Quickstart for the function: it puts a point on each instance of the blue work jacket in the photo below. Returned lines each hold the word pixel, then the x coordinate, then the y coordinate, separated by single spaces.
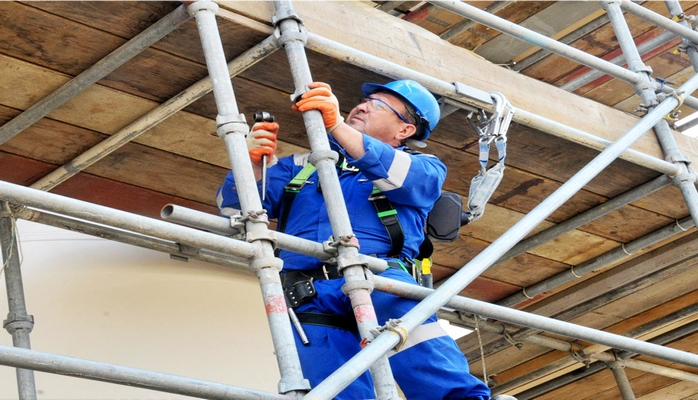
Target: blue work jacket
pixel 412 182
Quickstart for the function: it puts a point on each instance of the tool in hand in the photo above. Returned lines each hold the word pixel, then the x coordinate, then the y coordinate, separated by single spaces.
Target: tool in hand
pixel 263 117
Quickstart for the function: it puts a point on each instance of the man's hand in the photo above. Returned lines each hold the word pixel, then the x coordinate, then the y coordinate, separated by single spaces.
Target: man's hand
pixel 320 98
pixel 261 141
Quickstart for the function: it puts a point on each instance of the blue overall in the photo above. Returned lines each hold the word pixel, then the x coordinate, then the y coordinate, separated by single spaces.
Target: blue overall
pixel 430 366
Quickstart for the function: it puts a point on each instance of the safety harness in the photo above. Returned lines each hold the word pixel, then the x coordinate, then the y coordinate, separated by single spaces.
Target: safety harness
pixel 298 285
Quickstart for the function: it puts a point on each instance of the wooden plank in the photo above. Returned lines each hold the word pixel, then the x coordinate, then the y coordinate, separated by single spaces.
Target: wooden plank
pixel 556 69
pixel 678 391
pixel 548 22
pixel 166 172
pixel 652 294
pixel 523 270
pixel 618 276
pixel 180 133
pixel 157 73
pixel 479 34
pixel 95 189
pixel 498 361
pixel 419 50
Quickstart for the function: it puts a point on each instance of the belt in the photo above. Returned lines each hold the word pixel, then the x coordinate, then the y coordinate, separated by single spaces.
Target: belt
pixel 330 320
pixel 330 271
pixel 325 272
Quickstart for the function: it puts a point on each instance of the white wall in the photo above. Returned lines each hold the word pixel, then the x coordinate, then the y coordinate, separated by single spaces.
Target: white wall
pixel 114 303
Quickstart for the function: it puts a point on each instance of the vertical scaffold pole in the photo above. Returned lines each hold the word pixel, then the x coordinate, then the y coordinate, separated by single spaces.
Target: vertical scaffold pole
pixel 18 323
pixel 231 126
pixel 358 287
pixel 685 180
pixel 618 369
pixel 677 13
pixel 505 242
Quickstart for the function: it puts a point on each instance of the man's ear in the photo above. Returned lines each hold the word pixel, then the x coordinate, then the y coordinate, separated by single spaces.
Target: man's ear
pixel 406 131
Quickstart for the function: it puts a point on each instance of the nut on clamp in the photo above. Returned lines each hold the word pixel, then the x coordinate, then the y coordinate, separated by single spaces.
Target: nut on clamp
pixel 392 325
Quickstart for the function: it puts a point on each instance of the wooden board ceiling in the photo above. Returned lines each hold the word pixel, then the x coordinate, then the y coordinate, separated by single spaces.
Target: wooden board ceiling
pixel 182 161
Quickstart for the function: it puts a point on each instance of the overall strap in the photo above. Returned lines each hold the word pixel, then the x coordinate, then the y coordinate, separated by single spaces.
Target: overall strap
pixel 388 217
pixel 290 192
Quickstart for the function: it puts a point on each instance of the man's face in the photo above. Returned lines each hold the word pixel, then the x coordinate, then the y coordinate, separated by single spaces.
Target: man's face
pixel 376 119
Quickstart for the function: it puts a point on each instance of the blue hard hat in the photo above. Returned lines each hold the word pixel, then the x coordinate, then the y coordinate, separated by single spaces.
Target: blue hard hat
pixel 424 103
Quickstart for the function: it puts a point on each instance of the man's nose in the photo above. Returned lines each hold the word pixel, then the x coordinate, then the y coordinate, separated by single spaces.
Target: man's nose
pixel 362 107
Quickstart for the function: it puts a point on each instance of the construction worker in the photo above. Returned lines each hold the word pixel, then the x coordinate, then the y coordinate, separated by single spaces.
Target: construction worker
pixel 372 147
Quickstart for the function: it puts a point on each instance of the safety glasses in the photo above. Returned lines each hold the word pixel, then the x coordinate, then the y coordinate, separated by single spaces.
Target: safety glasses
pixel 380 105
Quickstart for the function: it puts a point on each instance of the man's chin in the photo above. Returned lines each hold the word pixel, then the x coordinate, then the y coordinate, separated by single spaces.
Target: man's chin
pixel 356 124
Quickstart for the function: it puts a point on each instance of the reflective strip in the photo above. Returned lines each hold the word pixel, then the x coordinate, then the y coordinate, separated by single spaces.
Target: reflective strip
pixel 227 211
pixel 301 159
pixel 396 174
pixel 421 334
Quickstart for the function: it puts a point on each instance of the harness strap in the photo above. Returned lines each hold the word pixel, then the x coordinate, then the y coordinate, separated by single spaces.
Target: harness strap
pixel 332 321
pixel 290 192
pixel 384 208
pixel 388 217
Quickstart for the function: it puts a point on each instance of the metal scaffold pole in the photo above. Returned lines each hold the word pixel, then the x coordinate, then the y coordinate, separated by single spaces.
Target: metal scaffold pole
pixel 566 51
pixel 231 126
pixel 487 257
pixel 464 95
pixel 18 323
pixel 546 324
pixel 685 181
pixel 357 287
pixel 618 369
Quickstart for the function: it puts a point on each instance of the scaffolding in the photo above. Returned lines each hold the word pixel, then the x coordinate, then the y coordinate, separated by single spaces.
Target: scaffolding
pixel 218 244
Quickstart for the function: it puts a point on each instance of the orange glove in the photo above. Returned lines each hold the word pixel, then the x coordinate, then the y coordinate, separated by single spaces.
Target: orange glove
pixel 320 98
pixel 261 141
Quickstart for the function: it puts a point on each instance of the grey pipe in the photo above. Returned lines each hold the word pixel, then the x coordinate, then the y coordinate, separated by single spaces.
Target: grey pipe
pixel 478 98
pixel 86 369
pixel 591 265
pixel 553 384
pixel 176 250
pixel 231 126
pixel 643 48
pixel 356 287
pixel 582 354
pixel 618 369
pixel 93 74
pixel 221 225
pixel 108 216
pixel 658 19
pixel 619 291
pixel 686 180
pixel 153 117
pixel 587 216
pixel 19 324
pixel 539 322
pixel 675 10
pixel 536 38
pixel 500 246
pixel 545 42
pixel 591 351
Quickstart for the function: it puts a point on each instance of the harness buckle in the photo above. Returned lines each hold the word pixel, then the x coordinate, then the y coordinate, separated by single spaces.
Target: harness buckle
pixel 298 292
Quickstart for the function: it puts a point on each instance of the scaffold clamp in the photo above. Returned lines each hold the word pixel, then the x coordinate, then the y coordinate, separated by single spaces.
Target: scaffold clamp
pixel 393 325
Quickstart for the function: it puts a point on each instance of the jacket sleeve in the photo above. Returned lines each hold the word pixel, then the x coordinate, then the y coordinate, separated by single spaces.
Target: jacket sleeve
pixel 409 179
pixel 278 176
